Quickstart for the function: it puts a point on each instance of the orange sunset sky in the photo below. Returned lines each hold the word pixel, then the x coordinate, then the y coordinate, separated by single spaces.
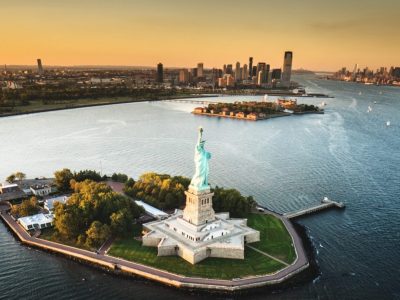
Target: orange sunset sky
pixel 324 35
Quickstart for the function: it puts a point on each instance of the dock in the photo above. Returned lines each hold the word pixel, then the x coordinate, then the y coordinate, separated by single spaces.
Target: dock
pixel 325 204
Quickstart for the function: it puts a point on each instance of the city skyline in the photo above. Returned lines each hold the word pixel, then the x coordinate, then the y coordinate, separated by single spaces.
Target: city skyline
pixel 324 36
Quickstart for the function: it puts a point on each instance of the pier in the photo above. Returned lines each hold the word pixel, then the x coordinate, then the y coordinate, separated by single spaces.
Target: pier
pixel 325 204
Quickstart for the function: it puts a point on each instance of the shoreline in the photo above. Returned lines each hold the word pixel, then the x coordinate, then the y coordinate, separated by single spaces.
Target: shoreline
pixel 4 115
pixel 189 96
pixel 118 266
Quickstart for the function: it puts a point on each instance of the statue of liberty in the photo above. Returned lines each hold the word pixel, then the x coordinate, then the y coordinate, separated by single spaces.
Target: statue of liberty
pixel 201 156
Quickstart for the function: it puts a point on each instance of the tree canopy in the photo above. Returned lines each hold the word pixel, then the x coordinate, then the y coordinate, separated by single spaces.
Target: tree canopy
pixel 93 212
pixel 26 208
pixel 167 192
pixel 159 190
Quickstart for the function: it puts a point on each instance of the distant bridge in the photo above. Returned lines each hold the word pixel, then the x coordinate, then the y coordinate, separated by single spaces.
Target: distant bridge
pixel 325 203
pixel 204 102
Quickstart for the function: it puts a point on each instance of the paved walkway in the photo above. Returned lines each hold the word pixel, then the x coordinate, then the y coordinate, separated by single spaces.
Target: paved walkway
pixel 165 277
pixel 268 255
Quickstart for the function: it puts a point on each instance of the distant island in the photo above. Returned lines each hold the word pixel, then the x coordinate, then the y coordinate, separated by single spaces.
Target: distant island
pixel 255 111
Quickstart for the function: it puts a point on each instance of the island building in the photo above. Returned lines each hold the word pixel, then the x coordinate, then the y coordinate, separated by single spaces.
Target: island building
pixel 41 189
pixel 198 232
pixel 38 221
pixel 49 203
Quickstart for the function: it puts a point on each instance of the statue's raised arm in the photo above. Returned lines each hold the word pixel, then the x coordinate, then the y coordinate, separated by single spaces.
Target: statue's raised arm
pixel 201 156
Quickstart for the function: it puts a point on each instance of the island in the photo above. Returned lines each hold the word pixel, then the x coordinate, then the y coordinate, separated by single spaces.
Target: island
pixel 256 110
pixel 170 229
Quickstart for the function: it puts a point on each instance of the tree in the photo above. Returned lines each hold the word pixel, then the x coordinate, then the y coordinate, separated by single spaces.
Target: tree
pixel 87 174
pixel 121 222
pixel 97 234
pixel 26 208
pixel 11 178
pixel 20 176
pixel 119 177
pixel 62 179
pixel 94 202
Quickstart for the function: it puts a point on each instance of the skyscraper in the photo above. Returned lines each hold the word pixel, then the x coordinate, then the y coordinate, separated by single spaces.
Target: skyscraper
pixel 200 72
pixel 287 68
pixel 160 73
pixel 237 72
pixel 229 69
pixel 245 74
pixel 276 74
pixel 250 67
pixel 40 67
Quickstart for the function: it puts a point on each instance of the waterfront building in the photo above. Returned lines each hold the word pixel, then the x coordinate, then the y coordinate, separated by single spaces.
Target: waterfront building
pixel 184 76
pixel 40 66
pixel 198 232
pixel 38 221
pixel 245 71
pixel 250 68
pixel 276 74
pixel 287 68
pixel 260 77
pixel 238 75
pixel 9 188
pixel 160 73
pixel 200 70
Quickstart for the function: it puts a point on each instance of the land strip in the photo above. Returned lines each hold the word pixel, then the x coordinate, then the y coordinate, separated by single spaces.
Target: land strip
pixel 117 264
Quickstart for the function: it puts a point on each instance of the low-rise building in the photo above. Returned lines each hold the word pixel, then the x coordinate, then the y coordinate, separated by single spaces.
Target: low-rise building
pixel 40 189
pixel 240 115
pixel 38 221
pixel 152 211
pixel 49 203
pixel 9 188
pixel 252 116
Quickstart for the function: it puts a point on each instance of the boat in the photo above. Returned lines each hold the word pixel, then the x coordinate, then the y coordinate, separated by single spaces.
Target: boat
pixel 375 102
pixel 359 93
pixel 387 123
pixel 369 109
pixel 323 103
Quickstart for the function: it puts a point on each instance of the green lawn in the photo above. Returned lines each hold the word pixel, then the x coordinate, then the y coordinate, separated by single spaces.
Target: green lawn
pixel 274 238
pixel 275 241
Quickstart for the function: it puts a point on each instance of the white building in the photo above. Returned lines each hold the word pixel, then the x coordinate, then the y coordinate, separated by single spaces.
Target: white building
pixel 8 188
pixel 49 203
pixel 152 211
pixel 40 189
pixel 38 221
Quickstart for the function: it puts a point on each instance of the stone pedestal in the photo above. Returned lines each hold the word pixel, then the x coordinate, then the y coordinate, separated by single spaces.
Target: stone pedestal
pixel 199 210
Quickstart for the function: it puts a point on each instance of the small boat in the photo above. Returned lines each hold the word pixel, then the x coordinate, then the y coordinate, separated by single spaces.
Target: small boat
pixel 369 109
pixel 323 103
pixel 359 93
pixel 387 123
pixel 375 102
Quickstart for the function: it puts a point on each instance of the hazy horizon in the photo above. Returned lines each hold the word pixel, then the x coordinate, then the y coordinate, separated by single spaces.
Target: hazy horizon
pixel 323 35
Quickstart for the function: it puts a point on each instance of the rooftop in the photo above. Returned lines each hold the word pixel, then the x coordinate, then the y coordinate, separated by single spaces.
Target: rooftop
pixel 152 211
